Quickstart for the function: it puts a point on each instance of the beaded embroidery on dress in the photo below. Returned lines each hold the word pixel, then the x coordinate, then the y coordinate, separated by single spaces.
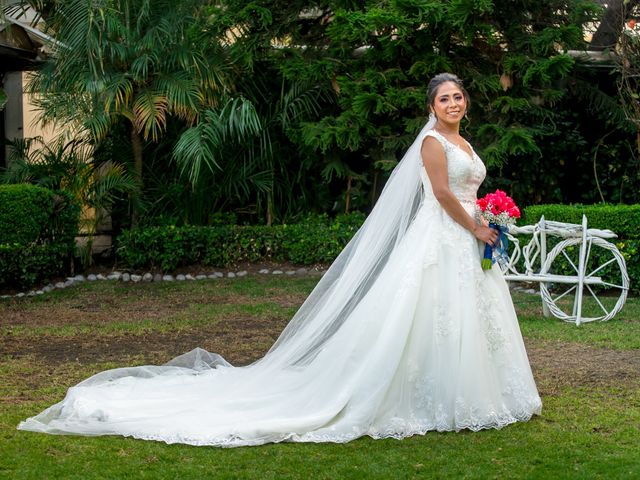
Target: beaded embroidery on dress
pixel 434 344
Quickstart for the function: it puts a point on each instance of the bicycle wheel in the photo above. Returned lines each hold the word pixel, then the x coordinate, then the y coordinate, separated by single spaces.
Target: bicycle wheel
pixel 604 287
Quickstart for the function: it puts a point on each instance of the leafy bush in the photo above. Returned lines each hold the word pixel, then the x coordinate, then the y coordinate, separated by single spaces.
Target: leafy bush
pixel 317 239
pixel 37 233
pixel 624 220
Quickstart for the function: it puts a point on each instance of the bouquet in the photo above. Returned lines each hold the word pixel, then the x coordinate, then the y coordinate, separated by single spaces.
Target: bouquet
pixel 500 211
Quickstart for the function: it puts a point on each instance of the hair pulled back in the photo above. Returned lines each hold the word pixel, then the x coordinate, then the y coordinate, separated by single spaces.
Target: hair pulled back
pixel 435 82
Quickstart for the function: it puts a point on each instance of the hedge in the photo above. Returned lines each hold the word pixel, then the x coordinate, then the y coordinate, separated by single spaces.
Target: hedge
pixel 624 220
pixel 317 239
pixel 37 234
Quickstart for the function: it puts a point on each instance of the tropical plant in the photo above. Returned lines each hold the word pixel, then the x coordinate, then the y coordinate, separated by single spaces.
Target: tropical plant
pixel 268 109
pixel 260 171
pixel 68 165
pixel 142 61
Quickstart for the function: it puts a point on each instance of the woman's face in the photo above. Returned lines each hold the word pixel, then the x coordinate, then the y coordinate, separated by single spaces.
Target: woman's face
pixel 450 104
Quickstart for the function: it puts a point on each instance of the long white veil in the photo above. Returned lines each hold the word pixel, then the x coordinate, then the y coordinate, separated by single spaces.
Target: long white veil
pixel 327 308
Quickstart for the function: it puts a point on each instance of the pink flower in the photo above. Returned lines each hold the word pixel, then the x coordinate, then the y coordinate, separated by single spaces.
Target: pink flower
pixel 496 203
pixel 514 212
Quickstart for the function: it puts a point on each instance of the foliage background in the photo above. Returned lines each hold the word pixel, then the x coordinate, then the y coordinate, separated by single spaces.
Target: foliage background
pixel 269 110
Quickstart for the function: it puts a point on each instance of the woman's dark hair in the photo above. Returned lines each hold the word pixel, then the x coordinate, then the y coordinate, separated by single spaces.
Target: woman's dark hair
pixel 435 82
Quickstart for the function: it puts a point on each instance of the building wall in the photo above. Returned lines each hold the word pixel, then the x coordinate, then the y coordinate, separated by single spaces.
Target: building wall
pixel 32 127
pixel 21 118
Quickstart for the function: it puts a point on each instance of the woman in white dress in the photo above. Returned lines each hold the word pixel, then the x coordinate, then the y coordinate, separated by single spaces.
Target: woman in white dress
pixel 405 333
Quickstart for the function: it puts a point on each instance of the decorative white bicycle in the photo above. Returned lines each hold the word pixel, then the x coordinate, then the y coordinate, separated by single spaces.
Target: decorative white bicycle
pixel 582 279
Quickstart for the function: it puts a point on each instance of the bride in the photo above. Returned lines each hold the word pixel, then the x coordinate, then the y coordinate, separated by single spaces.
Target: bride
pixel 405 333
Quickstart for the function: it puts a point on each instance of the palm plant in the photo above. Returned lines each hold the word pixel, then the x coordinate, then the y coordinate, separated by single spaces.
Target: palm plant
pixel 149 62
pixel 252 166
pixel 139 60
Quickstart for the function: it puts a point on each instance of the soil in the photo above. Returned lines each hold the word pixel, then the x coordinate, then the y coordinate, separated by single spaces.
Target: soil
pixel 240 341
pixel 243 339
pixel 556 365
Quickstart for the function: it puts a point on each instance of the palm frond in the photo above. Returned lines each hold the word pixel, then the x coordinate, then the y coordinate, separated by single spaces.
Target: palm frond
pixel 150 114
pixel 193 152
pixel 203 145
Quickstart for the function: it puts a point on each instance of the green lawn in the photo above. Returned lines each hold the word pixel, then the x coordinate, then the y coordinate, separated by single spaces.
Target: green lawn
pixel 588 376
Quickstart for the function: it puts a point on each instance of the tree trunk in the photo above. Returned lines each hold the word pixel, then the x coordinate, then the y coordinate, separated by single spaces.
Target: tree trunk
pixel 374 188
pixel 347 199
pixel 612 24
pixel 136 147
pixel 270 208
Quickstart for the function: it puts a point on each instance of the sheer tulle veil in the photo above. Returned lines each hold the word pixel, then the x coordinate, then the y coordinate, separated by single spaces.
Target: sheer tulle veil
pixel 350 276
pixel 321 316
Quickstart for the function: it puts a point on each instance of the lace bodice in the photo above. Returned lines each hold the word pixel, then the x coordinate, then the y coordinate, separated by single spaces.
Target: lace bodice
pixel 465 173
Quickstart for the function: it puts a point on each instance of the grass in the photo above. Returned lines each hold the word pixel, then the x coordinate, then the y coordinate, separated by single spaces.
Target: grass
pixel 589 378
pixel 621 333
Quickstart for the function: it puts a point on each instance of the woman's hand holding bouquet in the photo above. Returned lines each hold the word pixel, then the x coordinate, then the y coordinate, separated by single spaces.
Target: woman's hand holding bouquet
pixel 500 211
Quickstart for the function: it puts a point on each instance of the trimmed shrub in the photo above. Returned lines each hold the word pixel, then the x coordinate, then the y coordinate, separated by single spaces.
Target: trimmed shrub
pixel 37 234
pixel 317 239
pixel 623 220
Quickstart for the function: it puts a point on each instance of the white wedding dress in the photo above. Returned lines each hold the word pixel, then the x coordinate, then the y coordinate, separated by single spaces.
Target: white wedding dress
pixel 432 343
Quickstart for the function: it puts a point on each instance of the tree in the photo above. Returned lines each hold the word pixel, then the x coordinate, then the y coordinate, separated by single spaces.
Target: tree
pixel 380 56
pixel 629 67
pixel 141 61
pixel 312 104
pixel 373 59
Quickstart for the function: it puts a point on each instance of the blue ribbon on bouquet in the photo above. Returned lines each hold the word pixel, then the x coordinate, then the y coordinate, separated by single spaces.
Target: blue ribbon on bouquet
pixel 497 252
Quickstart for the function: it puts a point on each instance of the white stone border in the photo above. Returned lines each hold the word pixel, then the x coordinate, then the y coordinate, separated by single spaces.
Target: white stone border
pixel 157 277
